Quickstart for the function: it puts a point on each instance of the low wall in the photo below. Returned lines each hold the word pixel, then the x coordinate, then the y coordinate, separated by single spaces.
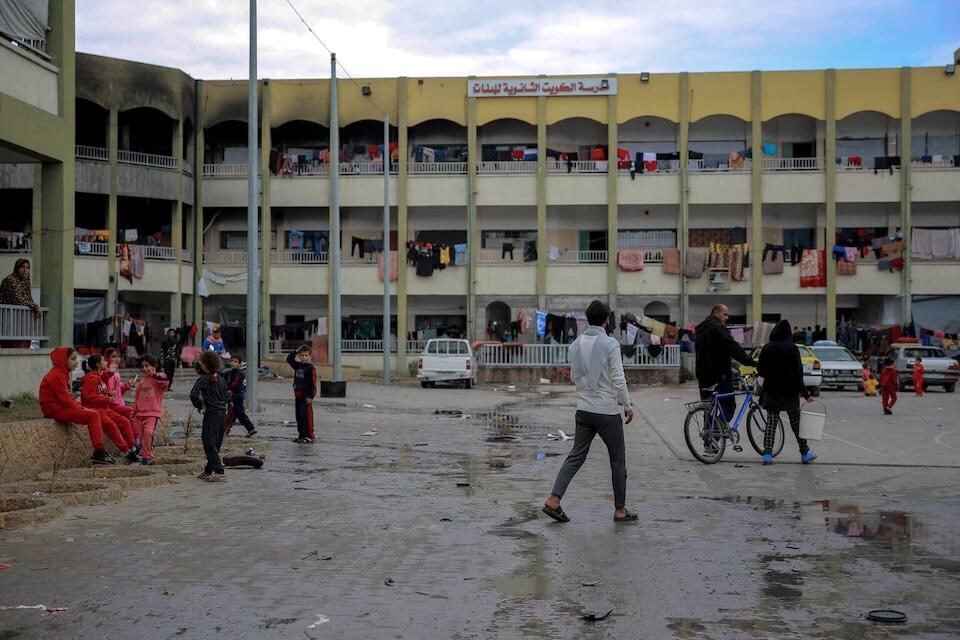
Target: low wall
pixel 532 375
pixel 32 447
pixel 22 369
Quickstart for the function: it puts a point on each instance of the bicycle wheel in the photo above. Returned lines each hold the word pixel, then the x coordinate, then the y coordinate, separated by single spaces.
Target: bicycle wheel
pixel 757 427
pixel 704 435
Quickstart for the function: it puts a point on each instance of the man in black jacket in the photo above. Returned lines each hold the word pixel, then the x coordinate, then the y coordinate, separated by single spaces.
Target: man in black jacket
pixel 715 346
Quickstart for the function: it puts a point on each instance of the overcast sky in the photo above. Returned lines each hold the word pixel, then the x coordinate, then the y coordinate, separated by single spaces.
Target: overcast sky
pixel 208 38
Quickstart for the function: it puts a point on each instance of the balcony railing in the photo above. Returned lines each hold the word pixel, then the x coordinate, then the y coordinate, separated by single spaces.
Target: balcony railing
pixel 703 166
pixel 641 359
pixel 437 168
pixel 187 167
pixel 225 257
pixel 576 166
pixel 792 164
pixel 945 162
pixel 224 170
pixel 99 249
pixel 495 256
pixel 663 166
pixel 26 249
pixel 146 159
pixel 297 256
pixel 582 257
pixel 507 166
pixel 86 152
pixel 90 248
pixel 414 347
pixel 651 255
pixel 21 323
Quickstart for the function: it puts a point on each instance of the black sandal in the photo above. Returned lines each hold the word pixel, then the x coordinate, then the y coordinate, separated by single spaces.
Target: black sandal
pixel 557 514
pixel 630 517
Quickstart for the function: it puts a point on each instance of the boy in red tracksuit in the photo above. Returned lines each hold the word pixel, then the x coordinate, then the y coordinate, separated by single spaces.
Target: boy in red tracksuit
pixel 304 391
pixel 57 403
pixel 889 383
pixel 148 404
pixel 94 395
pixel 918 371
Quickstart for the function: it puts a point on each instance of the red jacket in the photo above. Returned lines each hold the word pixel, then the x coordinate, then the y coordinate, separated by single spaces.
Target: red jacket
pixel 54 391
pixel 918 371
pixel 93 391
pixel 889 379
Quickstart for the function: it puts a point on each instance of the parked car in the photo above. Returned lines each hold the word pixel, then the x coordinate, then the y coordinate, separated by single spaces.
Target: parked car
pixel 812 374
pixel 839 367
pixel 446 360
pixel 940 369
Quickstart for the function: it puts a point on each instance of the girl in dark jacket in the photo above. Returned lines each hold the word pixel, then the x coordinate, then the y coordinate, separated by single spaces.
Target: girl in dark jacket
pixel 782 371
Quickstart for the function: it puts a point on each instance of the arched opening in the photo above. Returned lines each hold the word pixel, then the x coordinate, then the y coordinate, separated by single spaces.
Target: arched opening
pixel 658 311
pixel 790 137
pixel 498 320
pixel 300 135
pixel 650 142
pixel 868 139
pixel 438 140
pixel 145 130
pixel 936 138
pixel 92 123
pixel 577 144
pixel 719 143
pixel 506 140
pixel 225 143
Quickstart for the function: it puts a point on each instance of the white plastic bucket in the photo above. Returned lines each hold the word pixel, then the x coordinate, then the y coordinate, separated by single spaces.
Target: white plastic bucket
pixel 812 421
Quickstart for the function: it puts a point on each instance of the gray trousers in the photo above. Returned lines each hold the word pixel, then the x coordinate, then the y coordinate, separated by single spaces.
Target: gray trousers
pixel 610 430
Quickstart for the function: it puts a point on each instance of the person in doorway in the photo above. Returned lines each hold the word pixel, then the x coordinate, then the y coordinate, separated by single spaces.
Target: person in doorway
pixel 782 371
pixel 597 370
pixel 714 348
pixel 237 384
pixel 94 395
pixel 57 403
pixel 889 383
pixel 918 371
pixel 148 405
pixel 170 355
pixel 16 290
pixel 210 396
pixel 304 391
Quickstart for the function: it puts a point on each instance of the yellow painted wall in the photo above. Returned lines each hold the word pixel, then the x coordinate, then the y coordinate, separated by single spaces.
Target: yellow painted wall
pixel 354 106
pixel 802 92
pixel 436 98
pixel 490 109
pixel 659 97
pixel 720 93
pixel 932 89
pixel 224 100
pixel 592 107
pixel 299 100
pixel 868 90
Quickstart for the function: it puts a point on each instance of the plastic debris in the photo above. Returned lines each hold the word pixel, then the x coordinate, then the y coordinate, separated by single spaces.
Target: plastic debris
pixel 544 381
pixel 39 607
pixel 4 566
pixel 373 432
pixel 887 615
pixel 589 583
pixel 389 582
pixel 463 484
pixel 559 435
pixel 593 616
pixel 69 539
pixel 321 619
pixel 369 406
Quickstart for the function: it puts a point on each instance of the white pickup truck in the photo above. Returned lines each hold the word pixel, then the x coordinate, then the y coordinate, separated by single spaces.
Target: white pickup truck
pixel 446 360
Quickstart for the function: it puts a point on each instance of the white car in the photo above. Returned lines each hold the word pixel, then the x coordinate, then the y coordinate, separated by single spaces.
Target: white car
pixel 446 360
pixel 839 367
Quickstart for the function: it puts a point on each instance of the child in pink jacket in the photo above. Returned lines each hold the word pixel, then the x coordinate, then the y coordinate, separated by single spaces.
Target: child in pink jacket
pixel 148 404
pixel 116 387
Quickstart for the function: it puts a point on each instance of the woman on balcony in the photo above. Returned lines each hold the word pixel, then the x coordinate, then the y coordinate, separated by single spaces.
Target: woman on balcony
pixel 15 290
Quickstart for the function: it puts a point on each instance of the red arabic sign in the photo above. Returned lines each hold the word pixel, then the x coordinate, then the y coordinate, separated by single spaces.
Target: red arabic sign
pixel 502 88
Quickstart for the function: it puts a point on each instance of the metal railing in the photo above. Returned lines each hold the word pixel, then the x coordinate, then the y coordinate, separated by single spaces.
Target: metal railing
pixel 26 249
pixel 21 323
pixel 146 159
pixel 86 152
pixel 545 355
pixel 652 255
pixel 495 256
pixel 414 347
pixel 437 168
pixel 158 253
pixel 507 166
pixel 225 257
pixel 365 168
pixel 582 257
pixel 90 248
pixel 663 166
pixel 224 170
pixel 792 164
pixel 703 166
pixel 641 359
pixel 945 162
pixel 297 256
pixel 576 166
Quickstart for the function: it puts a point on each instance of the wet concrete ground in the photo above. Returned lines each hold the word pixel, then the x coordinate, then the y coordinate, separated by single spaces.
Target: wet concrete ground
pixel 413 534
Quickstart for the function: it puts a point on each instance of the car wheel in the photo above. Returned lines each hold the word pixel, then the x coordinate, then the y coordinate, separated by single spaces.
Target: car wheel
pixel 467 383
pixel 949 388
pixel 424 385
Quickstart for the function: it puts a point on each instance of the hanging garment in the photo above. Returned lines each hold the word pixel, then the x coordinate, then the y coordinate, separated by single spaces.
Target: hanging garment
pixel 529 251
pixel 772 262
pixel 848 267
pixel 296 239
pixel 541 323
pixel 671 261
pixel 424 266
pixel 813 268
pixel 554 253
pixel 444 256
pixel 736 263
pixel 696 261
pixel 459 255
pixel 942 244
pixel 632 331
pixel 769 149
pixel 393 266
pixel 630 259
pixel 921 243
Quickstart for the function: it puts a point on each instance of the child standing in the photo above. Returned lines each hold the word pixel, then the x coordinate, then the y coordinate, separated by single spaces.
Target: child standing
pixel 918 371
pixel 870 386
pixel 115 384
pixel 889 383
pixel 237 384
pixel 94 396
pixel 148 404
pixel 304 391
pixel 58 403
pixel 210 396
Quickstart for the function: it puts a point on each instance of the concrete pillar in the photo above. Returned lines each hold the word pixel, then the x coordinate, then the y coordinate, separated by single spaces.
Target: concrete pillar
pixel 36 224
pixel 56 238
pixel 684 221
pixel 830 206
pixel 112 154
pixel 756 199
pixel 402 231
pixel 473 234
pixel 176 228
pixel 906 192
pixel 612 199
pixel 266 217
pixel 543 247
pixel 196 307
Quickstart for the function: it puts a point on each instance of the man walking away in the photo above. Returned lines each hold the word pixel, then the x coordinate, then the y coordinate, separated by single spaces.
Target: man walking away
pixel 596 368
pixel 715 346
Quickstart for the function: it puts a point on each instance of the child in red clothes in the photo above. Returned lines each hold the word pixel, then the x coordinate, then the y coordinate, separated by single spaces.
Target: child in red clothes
pixel 94 395
pixel 148 404
pixel 889 383
pixel 58 403
pixel 918 371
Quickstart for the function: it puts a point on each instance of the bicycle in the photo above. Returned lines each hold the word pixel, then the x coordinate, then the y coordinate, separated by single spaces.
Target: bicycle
pixel 707 431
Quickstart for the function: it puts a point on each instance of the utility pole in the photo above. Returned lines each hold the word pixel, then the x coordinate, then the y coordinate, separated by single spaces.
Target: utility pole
pixel 253 226
pixel 386 249
pixel 334 324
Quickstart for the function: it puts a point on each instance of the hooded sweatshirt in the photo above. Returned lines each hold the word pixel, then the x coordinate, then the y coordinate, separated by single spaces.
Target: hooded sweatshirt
pixel 148 401
pixel 782 371
pixel 115 384
pixel 93 391
pixel 54 393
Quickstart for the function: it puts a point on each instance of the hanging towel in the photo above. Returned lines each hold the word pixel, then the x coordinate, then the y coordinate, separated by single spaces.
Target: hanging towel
pixel 671 261
pixel 769 149
pixel 630 259
pixel 942 244
pixel 554 253
pixel 459 255
pixel 541 323
pixel 848 267
pixel 393 266
pixel 813 268
pixel 696 261
pixel 773 262
pixel 921 244
pixel 736 263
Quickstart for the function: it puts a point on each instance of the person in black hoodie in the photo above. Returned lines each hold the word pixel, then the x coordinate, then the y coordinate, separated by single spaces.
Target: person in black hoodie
pixel 210 396
pixel 782 371
pixel 714 347
pixel 170 355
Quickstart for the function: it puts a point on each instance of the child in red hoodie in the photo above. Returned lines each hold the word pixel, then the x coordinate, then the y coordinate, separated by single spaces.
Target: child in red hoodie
pixel 57 403
pixel 148 404
pixel 918 371
pixel 94 396
pixel 889 383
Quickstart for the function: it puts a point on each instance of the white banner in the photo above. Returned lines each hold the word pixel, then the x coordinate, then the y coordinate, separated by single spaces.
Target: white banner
pixel 504 88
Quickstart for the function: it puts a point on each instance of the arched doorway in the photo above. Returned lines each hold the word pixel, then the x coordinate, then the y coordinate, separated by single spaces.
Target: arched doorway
pixel 658 311
pixel 498 320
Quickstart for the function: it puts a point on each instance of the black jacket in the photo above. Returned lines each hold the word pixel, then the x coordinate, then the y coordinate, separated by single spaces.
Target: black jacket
pixel 782 371
pixel 714 347
pixel 170 351
pixel 210 393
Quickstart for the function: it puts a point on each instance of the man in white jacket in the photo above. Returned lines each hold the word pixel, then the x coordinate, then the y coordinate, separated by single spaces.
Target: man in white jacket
pixel 596 367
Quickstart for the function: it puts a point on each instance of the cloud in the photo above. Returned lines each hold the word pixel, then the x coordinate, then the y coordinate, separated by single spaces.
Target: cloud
pixel 208 38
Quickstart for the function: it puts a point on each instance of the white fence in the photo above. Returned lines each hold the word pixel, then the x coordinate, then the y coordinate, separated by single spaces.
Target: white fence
pixel 26 249
pixel 297 256
pixel 99 249
pixel 582 257
pixel 945 162
pixel 224 170
pixel 508 166
pixel 702 166
pixel 546 355
pixel 21 323
pixel 225 257
pixel 146 159
pixel 792 164
pixel 437 168
pixel 86 152
pixel 414 347
pixel 576 166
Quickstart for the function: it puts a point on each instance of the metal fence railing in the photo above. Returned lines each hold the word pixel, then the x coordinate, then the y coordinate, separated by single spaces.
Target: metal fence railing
pixel 21 323
pixel 437 168
pixel 545 355
pixel 86 152
pixel 224 170
pixel 146 159
pixel 792 164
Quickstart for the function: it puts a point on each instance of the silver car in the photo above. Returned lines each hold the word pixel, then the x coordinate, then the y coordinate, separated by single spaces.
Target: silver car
pixel 840 368
pixel 940 369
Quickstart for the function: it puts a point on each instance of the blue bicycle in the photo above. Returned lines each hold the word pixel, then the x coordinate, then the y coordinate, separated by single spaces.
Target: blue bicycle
pixel 707 431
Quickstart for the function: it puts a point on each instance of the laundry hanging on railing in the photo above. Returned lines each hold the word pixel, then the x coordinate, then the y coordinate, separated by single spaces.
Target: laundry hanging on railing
pixel 813 268
pixel 630 259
